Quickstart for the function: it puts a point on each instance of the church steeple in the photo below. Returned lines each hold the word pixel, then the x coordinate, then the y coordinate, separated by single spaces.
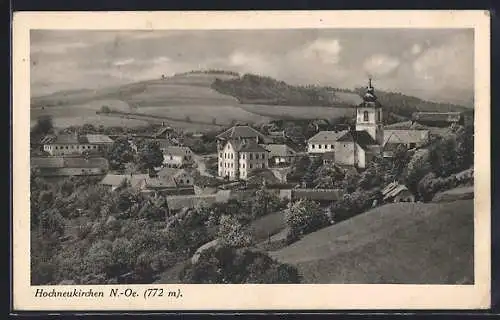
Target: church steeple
pixel 369 114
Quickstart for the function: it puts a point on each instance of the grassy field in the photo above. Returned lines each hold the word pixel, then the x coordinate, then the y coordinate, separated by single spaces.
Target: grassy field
pixel 403 243
pixel 223 114
pixel 298 112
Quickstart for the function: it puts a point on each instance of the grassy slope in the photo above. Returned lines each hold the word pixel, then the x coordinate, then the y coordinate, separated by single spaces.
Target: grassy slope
pixel 397 243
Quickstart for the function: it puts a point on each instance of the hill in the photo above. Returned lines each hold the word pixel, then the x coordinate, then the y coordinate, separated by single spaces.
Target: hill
pixel 254 89
pixel 207 99
pixel 402 243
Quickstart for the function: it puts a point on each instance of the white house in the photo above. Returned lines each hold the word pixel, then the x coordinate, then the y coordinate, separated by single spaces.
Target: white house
pixel 176 156
pixel 323 141
pixel 280 154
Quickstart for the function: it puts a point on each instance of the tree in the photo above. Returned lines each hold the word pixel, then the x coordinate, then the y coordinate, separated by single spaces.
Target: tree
pixel 305 216
pixel 43 126
pixel 264 202
pixel 443 157
pixel 418 166
pixel 119 154
pixel 465 147
pixel 150 155
pixel 232 233
pixel 229 265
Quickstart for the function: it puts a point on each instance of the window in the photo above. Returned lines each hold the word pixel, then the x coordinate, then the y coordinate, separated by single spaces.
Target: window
pixel 220 155
pixel 231 165
pixel 250 166
pixel 231 156
pixel 243 156
pixel 365 116
pixel 319 146
pixel 312 146
pixel 67 147
pixel 243 166
pixel 331 146
pixel 326 146
pixel 251 156
pixel 379 115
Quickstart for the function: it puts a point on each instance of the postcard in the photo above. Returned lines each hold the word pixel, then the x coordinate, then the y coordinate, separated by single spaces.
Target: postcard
pixel 285 160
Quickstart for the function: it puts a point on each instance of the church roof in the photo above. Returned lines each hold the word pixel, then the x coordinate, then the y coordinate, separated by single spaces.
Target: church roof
pixel 362 138
pixel 370 99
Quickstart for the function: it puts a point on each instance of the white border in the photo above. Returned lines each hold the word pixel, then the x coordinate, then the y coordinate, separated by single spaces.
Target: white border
pixel 248 297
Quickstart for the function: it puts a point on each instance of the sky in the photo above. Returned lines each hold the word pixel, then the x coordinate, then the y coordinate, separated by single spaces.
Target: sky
pixel 433 64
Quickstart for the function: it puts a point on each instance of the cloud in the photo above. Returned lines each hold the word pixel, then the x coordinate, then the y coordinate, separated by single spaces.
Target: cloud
pixel 450 63
pixel 124 62
pixel 324 50
pixel 380 64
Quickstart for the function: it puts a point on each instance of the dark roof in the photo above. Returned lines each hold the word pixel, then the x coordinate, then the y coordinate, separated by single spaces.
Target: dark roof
pixel 177 150
pixel 249 146
pixel 69 162
pixel 242 132
pixel 362 138
pixel 279 150
pixel 437 116
pixel 77 139
pixel 328 156
pixel 326 136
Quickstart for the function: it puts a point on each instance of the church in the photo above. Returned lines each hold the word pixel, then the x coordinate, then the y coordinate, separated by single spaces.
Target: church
pixel 357 146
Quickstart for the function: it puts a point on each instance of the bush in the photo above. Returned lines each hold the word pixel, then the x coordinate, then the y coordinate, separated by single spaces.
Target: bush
pixel 305 216
pixel 229 265
pixel 353 204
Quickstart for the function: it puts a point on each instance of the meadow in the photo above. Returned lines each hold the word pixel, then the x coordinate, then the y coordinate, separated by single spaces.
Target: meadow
pixel 402 243
pixel 298 112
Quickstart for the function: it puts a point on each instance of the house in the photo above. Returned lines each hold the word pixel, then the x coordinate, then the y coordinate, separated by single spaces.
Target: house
pixel 355 148
pixel 176 156
pixel 323 141
pixel 163 132
pixel 66 144
pixel 409 138
pixel 280 154
pixel 395 192
pixel 169 181
pixel 438 119
pixel 239 158
pixel 69 166
pixel 115 181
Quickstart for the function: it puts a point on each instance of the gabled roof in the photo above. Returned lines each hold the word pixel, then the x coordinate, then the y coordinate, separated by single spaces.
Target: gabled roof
pixel 242 132
pixel 437 116
pixel 116 179
pixel 98 138
pixel 362 138
pixel 405 136
pixel 249 146
pixel 162 131
pixel 279 150
pixel 160 183
pixel 177 150
pixel 327 136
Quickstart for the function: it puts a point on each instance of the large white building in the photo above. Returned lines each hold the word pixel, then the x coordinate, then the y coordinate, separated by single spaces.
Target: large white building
pixel 240 152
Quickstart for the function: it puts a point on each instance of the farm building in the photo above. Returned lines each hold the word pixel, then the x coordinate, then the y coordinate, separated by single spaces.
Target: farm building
pixel 323 196
pixel 409 138
pixel 169 181
pixel 115 181
pixel 69 166
pixel 438 119
pixel 66 144
pixel 280 154
pixel 323 141
pixel 176 156
pixel 395 192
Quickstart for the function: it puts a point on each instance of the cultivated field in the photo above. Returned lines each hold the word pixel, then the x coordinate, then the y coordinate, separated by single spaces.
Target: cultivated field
pixel 223 115
pixel 403 243
pixel 298 112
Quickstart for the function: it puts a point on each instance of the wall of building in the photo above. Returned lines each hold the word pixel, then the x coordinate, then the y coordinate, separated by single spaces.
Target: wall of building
pixel 327 146
pixel 361 157
pixel 64 149
pixel 345 153
pixel 228 161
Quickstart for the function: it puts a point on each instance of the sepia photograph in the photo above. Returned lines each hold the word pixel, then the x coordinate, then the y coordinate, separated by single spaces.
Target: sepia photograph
pixel 318 155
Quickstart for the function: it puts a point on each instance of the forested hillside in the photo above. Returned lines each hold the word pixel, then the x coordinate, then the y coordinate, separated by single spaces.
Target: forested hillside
pixel 256 89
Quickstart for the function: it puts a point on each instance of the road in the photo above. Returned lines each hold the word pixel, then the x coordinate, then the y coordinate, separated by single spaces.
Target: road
pixel 200 164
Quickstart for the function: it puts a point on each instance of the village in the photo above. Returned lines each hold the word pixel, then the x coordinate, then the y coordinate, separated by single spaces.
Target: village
pixel 343 169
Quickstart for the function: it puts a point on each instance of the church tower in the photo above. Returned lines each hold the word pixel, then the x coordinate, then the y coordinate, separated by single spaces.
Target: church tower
pixel 369 115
